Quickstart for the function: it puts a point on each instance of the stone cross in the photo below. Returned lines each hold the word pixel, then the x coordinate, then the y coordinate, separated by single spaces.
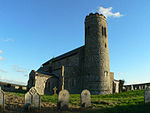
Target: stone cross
pixel 55 89
pixel 32 97
pixel 147 95
pixel 63 78
pixel 85 98
pixel 1 98
pixel 63 99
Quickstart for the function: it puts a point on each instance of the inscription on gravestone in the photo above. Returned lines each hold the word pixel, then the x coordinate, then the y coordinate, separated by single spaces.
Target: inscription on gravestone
pixel 1 98
pixel 85 98
pixel 63 99
pixel 32 97
pixel 147 95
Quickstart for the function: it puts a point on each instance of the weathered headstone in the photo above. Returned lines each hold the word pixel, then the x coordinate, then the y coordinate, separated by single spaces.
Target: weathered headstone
pixel 85 98
pixel 55 89
pixel 36 100
pixel 28 98
pixel 33 98
pixel 147 95
pixel 63 99
pixel 1 98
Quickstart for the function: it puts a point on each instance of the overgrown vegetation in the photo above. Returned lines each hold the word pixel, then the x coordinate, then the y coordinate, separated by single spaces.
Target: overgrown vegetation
pixel 125 102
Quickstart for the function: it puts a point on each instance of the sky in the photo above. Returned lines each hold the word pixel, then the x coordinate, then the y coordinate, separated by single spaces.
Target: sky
pixel 34 31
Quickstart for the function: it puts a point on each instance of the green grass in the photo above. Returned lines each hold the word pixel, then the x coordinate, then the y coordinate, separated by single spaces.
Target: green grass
pixel 124 98
pixel 16 94
pixel 125 102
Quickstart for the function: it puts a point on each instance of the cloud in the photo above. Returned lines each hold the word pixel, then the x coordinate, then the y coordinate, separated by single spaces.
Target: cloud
pixel 12 81
pixel 3 71
pixel 1 58
pixel 107 12
pixel 7 40
pixel 19 69
pixel 1 51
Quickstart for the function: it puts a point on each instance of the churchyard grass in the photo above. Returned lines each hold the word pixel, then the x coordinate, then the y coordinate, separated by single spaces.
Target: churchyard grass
pixel 124 98
pixel 124 102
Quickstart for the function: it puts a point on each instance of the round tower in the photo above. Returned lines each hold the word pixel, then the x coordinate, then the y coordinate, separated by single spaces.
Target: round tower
pixel 96 65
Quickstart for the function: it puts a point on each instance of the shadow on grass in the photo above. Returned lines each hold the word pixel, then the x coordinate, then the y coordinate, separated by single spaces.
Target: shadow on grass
pixel 140 108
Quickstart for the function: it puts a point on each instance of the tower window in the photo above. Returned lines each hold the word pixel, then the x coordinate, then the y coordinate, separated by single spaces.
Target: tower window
pixel 106 73
pixel 105 45
pixel 103 31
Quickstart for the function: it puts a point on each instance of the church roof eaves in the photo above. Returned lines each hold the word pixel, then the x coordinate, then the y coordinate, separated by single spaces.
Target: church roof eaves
pixel 70 53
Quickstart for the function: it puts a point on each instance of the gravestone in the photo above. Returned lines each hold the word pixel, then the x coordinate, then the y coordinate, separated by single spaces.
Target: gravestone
pixel 63 99
pixel 28 98
pixel 36 100
pixel 147 95
pixel 33 98
pixel 85 98
pixel 1 98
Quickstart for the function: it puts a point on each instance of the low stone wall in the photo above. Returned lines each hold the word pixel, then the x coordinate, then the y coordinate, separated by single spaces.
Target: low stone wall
pixel 136 86
pixel 12 87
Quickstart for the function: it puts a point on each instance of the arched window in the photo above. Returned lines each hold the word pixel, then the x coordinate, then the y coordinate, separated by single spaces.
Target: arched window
pixel 105 45
pixel 103 31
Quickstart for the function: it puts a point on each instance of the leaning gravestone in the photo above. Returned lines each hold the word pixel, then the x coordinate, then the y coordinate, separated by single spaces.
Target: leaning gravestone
pixel 147 95
pixel 1 98
pixel 85 98
pixel 63 99
pixel 32 98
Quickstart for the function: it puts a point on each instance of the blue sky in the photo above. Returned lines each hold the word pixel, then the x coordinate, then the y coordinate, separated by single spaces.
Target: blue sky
pixel 33 31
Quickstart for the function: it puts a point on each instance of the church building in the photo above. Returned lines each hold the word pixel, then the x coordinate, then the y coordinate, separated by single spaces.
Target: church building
pixel 86 67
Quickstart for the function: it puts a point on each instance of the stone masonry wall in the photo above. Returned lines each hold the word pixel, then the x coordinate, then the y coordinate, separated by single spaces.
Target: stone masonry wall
pixel 97 72
pixel 40 83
